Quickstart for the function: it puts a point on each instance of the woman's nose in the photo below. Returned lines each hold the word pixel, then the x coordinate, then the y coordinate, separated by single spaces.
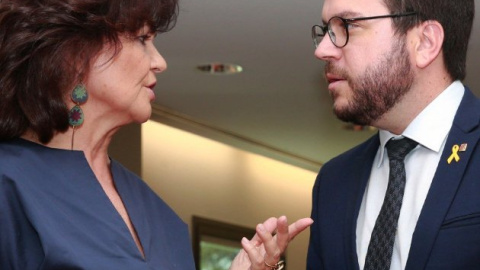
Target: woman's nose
pixel 158 63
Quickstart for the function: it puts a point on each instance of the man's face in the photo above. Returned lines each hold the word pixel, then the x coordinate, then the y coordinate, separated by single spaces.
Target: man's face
pixel 372 72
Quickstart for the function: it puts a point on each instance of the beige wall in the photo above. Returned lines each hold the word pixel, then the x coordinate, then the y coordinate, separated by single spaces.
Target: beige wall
pixel 198 176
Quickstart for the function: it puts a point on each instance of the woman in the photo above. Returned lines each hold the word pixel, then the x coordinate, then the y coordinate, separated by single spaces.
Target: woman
pixel 72 73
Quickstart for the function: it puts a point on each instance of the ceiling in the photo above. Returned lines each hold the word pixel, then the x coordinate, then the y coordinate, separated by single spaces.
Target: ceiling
pixel 279 105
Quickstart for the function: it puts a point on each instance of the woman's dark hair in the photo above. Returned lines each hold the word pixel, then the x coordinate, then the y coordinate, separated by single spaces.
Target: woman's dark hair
pixel 46 47
pixel 456 18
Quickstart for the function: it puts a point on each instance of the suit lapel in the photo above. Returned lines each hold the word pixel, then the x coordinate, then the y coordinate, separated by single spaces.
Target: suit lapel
pixel 445 182
pixel 360 175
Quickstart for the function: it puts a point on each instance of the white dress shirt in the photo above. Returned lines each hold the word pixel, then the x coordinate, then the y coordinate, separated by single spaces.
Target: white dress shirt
pixel 430 129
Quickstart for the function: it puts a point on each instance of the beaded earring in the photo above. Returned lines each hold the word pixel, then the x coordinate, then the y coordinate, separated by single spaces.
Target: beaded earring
pixel 76 117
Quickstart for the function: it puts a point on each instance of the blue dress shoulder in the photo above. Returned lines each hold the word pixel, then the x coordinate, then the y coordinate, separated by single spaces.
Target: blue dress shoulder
pixel 55 215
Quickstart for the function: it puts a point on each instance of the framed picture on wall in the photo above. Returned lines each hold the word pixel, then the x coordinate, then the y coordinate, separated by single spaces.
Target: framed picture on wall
pixel 216 243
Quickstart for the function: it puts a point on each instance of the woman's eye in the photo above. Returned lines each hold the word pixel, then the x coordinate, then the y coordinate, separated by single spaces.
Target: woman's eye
pixel 144 38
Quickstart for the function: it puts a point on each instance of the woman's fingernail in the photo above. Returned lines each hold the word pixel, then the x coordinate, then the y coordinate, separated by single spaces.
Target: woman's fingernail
pixel 244 240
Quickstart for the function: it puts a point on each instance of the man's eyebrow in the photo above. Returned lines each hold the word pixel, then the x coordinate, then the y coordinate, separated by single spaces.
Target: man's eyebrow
pixel 345 14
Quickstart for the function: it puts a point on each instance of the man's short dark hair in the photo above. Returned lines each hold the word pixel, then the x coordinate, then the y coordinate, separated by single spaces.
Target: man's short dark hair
pixel 456 18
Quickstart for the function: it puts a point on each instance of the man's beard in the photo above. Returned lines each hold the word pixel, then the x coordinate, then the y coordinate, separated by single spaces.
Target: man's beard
pixel 378 89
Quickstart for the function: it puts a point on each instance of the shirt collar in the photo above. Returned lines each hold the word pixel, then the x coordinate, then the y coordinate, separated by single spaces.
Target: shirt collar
pixel 431 127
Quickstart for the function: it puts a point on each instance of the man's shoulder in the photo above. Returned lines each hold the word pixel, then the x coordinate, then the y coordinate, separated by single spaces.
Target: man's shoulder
pixel 359 152
pixel 467 116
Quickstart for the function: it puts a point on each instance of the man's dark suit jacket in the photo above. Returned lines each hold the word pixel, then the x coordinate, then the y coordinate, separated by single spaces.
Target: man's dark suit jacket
pixel 447 235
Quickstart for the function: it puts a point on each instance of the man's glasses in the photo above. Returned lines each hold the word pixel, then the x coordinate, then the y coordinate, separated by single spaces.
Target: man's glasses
pixel 337 28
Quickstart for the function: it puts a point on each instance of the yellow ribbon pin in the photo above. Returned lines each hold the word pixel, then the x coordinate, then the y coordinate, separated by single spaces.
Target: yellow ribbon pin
pixel 454 154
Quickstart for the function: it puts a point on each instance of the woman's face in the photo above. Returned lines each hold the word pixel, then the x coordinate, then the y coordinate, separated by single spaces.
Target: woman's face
pixel 121 88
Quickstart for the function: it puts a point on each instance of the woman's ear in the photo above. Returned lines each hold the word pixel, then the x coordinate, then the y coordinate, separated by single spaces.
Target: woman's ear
pixel 429 45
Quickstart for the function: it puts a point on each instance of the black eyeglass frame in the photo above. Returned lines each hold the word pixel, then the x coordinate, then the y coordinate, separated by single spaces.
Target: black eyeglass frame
pixel 327 29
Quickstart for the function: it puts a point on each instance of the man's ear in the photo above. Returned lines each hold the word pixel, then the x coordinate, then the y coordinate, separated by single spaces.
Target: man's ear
pixel 429 36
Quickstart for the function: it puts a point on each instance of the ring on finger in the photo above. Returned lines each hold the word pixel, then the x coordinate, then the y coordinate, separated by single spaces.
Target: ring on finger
pixel 278 266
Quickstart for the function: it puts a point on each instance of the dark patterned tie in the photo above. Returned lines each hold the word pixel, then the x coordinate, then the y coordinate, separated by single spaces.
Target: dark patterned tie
pixel 380 249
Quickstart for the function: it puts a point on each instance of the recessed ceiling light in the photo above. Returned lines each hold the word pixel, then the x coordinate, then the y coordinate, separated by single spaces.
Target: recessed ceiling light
pixel 220 68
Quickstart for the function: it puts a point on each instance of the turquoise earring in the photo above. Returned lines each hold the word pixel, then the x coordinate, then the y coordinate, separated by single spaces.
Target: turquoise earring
pixel 79 96
pixel 76 117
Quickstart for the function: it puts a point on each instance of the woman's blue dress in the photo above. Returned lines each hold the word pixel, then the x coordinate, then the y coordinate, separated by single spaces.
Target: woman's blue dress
pixel 55 215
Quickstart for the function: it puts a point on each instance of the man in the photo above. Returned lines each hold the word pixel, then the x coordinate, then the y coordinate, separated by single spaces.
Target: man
pixel 397 65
